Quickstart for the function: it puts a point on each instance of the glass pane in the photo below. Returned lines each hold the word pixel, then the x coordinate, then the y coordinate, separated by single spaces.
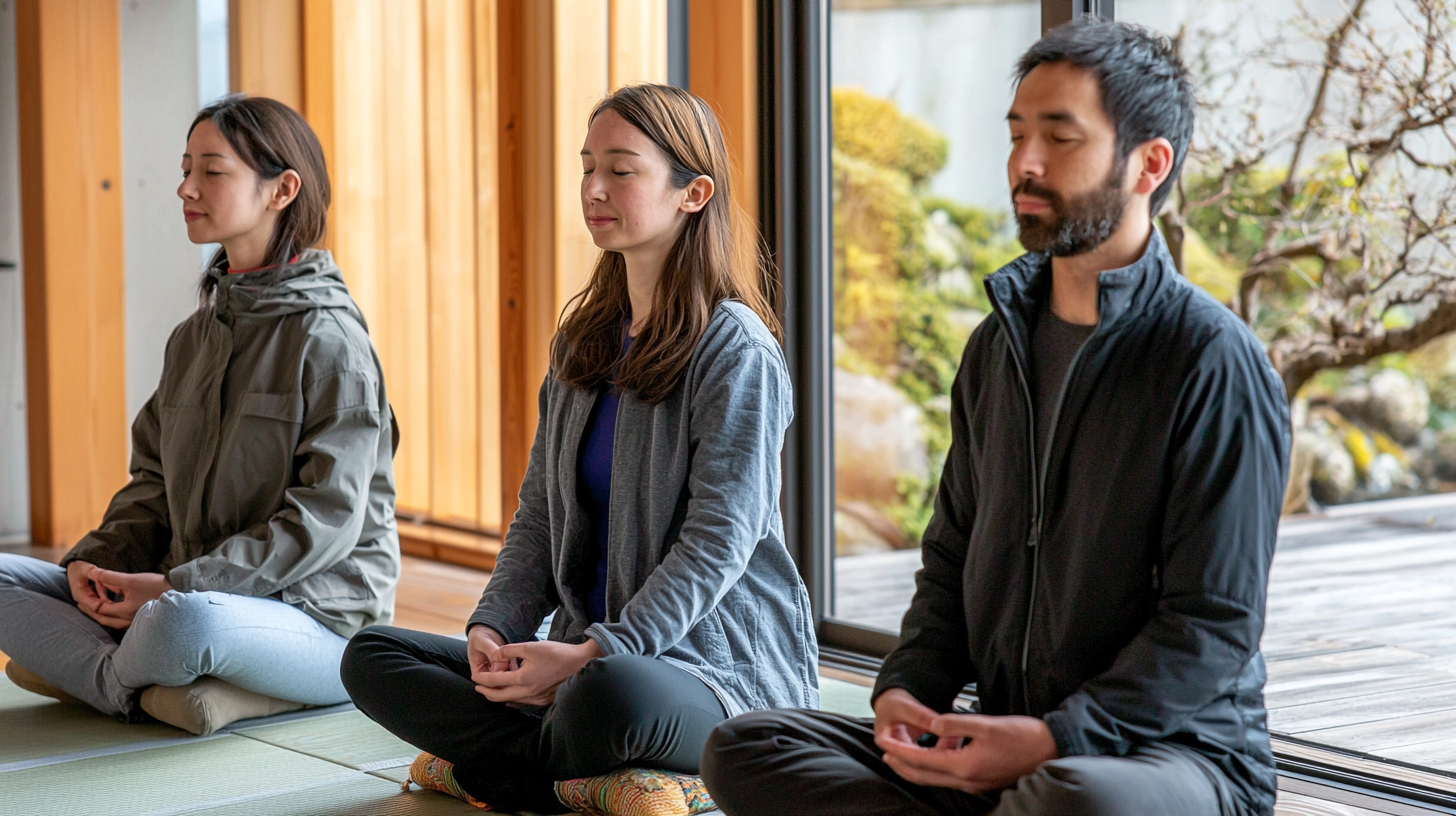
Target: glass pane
pixel 1354 191
pixel 920 93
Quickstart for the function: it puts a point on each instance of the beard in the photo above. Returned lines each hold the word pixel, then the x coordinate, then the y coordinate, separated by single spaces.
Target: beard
pixel 1076 225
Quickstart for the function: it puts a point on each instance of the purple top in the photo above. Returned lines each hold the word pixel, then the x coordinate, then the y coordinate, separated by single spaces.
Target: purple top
pixel 594 485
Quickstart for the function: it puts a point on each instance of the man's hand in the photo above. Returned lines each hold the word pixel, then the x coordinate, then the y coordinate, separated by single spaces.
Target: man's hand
pixel 976 752
pixel 900 717
pixel 544 665
pixel 482 643
pixel 132 591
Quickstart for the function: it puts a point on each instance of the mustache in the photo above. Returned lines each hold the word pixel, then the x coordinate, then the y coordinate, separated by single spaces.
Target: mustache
pixel 1031 188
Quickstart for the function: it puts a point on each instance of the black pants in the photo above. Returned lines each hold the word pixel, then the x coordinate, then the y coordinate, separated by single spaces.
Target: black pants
pixel 814 763
pixel 618 710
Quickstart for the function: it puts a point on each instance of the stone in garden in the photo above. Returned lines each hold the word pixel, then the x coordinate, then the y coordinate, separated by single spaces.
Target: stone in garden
pixel 1446 455
pixel 1391 402
pixel 1332 469
pixel 853 537
pixel 878 437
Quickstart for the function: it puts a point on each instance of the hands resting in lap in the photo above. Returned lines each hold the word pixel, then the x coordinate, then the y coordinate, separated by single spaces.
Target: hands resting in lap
pixel 523 674
pixel 975 753
pixel 112 598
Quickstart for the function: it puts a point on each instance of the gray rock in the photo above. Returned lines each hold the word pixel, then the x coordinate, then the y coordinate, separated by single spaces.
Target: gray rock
pixel 1390 402
pixel 1388 476
pixel 878 436
pixel 853 537
pixel 1332 469
pixel 1445 455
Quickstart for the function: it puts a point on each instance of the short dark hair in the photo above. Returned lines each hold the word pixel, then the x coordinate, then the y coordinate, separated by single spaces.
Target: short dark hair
pixel 1146 90
pixel 271 137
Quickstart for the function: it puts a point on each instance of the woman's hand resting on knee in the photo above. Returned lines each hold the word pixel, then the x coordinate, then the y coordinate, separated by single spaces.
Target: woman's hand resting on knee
pixel 112 598
pixel 523 674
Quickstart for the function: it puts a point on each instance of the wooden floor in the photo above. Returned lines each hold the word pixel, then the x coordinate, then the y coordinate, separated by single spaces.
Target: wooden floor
pixel 1361 632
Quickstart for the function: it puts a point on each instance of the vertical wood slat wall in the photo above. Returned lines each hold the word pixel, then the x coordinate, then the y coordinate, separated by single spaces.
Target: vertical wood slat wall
pixel 68 58
pixel 451 129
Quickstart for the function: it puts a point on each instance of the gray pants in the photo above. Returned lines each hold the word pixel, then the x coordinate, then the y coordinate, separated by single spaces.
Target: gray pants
pixel 258 644
pixel 807 763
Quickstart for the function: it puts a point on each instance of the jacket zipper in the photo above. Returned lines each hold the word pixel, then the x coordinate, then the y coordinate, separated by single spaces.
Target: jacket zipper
pixel 1038 476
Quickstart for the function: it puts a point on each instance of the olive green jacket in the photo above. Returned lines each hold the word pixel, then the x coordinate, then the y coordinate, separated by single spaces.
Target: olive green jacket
pixel 262 465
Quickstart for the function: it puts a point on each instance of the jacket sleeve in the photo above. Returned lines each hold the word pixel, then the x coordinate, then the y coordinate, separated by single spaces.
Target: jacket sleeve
pixel 740 411
pixel 136 533
pixel 1227 471
pixel 522 588
pixel 324 510
pixel 932 661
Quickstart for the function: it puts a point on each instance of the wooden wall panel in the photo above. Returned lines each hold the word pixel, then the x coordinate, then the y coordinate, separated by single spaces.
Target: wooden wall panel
pixel 722 69
pixel 517 64
pixel 580 72
pixel 637 42
pixel 406 310
pixel 265 49
pixel 69 67
pixel 489 373
pixel 452 128
pixel 450 195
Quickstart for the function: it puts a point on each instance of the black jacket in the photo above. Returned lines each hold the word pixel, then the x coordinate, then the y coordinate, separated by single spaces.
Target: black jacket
pixel 1121 596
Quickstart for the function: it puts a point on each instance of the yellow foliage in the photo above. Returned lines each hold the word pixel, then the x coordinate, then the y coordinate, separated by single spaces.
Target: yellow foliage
pixel 1358 444
pixel 874 130
pixel 1204 268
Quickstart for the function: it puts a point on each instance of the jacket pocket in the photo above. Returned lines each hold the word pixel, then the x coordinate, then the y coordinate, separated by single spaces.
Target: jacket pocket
pixel 342 583
pixel 285 407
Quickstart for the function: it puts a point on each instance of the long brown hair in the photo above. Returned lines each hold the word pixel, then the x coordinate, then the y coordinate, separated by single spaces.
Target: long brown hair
pixel 271 137
pixel 707 264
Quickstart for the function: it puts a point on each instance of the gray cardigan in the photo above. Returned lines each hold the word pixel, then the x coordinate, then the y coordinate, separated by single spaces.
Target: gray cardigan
pixel 698 572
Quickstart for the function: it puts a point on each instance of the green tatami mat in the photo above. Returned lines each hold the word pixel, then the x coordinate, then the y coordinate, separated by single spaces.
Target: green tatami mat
pixel 349 738
pixel 178 779
pixel 844 698
pixel 34 728
pixel 367 795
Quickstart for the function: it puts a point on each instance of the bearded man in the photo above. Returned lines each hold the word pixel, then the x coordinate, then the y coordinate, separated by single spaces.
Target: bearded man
pixel 1099 555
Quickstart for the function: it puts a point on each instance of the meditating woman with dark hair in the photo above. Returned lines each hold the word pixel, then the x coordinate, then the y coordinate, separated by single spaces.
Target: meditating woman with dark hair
pixel 649 515
pixel 257 532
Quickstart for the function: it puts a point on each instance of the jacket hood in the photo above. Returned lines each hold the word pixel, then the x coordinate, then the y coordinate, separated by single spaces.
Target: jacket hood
pixel 312 282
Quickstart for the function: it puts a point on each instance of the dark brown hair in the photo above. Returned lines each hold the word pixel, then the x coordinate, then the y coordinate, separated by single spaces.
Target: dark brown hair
pixel 708 263
pixel 271 137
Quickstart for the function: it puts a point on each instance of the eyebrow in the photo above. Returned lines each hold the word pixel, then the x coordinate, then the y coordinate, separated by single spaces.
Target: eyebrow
pixel 1054 116
pixel 205 156
pixel 622 150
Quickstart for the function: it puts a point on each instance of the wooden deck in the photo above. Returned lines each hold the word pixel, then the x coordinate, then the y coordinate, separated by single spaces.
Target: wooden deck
pixel 1361 634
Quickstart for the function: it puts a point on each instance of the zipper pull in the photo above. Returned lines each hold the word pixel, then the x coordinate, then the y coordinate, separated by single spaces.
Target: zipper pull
pixel 1035 537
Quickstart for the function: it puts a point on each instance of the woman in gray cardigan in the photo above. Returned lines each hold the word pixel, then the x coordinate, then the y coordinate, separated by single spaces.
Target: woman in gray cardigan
pixel 257 531
pixel 649 516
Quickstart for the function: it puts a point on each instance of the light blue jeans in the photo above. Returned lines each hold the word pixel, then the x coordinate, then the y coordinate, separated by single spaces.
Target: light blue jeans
pixel 258 644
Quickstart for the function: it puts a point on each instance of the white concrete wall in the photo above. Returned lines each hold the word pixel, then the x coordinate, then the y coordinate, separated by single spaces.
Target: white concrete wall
pixel 951 66
pixel 14 480
pixel 162 79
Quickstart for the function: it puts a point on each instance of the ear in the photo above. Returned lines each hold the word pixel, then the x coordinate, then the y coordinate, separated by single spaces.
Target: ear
pixel 698 193
pixel 288 184
pixel 1154 161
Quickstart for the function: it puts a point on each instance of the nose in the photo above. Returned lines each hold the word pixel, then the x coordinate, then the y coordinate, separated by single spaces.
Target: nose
pixel 1026 160
pixel 592 188
pixel 187 190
